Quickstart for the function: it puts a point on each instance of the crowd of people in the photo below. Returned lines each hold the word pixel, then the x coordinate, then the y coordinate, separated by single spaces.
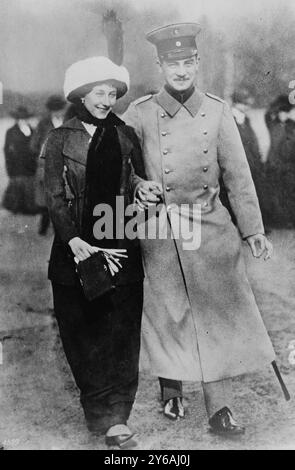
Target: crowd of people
pixel 273 177
pixel 23 144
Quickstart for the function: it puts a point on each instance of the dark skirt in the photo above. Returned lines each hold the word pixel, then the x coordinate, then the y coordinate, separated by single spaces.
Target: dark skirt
pixel 280 196
pixel 101 340
pixel 19 197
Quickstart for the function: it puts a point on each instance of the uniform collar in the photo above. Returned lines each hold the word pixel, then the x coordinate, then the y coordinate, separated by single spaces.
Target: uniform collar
pixel 172 106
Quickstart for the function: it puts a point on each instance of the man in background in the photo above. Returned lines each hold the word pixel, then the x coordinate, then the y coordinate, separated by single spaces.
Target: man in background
pixel 54 118
pixel 242 102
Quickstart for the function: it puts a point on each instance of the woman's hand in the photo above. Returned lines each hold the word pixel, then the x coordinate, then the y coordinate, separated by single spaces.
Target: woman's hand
pixel 260 245
pixel 112 257
pixel 81 250
pixel 148 194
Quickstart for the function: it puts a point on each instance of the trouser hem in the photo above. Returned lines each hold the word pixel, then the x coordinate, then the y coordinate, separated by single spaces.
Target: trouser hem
pixel 170 389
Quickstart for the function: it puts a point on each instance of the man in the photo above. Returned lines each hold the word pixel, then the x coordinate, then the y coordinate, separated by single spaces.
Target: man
pixel 275 119
pixel 242 102
pixel 55 106
pixel 201 321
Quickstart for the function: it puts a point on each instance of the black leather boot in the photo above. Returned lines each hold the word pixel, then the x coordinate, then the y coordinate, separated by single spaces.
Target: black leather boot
pixel 223 422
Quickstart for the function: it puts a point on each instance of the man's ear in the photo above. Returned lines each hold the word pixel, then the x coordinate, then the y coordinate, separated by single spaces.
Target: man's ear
pixel 159 64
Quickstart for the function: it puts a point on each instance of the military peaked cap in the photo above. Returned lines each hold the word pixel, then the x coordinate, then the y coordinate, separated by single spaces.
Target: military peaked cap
pixel 175 41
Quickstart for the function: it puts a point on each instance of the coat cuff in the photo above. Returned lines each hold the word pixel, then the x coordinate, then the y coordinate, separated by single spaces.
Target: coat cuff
pixel 70 235
pixel 66 233
pixel 136 183
pixel 252 234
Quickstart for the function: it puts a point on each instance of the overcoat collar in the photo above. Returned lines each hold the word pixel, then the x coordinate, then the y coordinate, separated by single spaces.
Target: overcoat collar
pixel 172 106
pixel 76 148
pixel 74 123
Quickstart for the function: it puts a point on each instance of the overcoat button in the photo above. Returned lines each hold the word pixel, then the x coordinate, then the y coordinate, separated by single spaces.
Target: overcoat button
pixel 163 115
pixel 205 132
pixel 165 152
pixel 205 169
pixel 205 204
pixel 203 114
pixel 164 134
pixel 205 186
pixel 168 188
pixel 205 150
pixel 167 171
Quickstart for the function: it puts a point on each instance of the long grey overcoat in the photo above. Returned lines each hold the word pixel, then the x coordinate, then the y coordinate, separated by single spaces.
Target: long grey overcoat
pixel 201 321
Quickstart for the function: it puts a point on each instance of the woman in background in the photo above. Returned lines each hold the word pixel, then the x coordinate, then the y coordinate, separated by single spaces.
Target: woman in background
pixel 20 165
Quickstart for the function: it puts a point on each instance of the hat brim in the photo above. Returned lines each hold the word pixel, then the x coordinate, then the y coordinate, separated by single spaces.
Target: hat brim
pixel 56 106
pixel 17 115
pixel 82 91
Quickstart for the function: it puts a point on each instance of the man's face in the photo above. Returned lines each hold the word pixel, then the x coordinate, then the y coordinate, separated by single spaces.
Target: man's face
pixel 180 74
pixel 283 116
pixel 292 114
pixel 245 106
pixel 58 114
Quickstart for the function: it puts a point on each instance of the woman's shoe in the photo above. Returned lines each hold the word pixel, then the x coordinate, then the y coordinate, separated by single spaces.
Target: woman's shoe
pixel 121 437
pixel 174 409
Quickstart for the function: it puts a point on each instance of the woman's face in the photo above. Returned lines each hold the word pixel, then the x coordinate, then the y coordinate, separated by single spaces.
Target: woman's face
pixel 100 101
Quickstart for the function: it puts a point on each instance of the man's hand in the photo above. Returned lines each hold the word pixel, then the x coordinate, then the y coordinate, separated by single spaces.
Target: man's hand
pixel 148 194
pixel 260 245
pixel 81 250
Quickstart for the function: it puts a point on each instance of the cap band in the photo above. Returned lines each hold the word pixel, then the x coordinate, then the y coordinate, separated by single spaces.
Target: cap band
pixel 178 54
pixel 176 44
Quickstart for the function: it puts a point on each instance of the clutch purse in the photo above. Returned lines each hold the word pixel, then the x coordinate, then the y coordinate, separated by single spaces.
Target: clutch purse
pixel 95 276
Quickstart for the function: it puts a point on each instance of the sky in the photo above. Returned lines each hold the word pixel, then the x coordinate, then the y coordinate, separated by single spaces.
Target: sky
pixel 40 38
pixel 187 8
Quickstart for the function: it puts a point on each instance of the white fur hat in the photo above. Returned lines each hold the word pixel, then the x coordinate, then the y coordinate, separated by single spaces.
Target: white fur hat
pixel 82 76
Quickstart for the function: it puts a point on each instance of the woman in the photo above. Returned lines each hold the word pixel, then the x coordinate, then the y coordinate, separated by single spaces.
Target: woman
pixel 20 165
pixel 285 155
pixel 276 119
pixel 90 160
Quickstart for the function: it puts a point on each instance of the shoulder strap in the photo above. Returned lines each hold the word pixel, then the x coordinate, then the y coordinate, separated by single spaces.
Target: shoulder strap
pixel 142 99
pixel 214 97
